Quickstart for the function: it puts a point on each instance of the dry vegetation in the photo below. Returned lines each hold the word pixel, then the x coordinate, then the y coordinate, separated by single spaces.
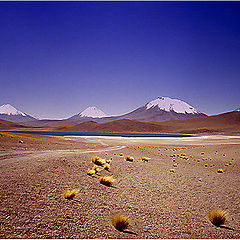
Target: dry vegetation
pixel 120 222
pixel 98 161
pixel 145 159
pixel 107 180
pixel 106 167
pixel 70 194
pixel 217 217
pixel 96 169
pixel 91 172
pixel 129 158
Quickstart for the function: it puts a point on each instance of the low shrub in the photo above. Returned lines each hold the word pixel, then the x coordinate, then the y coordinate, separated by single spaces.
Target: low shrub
pixel 217 217
pixel 70 194
pixel 91 172
pixel 107 181
pixel 129 158
pixel 120 222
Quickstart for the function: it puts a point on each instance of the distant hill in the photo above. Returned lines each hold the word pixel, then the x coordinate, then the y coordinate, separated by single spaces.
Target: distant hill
pixel 6 125
pixel 222 123
pixel 123 125
pixel 226 122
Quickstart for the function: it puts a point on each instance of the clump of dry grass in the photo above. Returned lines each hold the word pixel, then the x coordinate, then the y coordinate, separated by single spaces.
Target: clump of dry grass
pixel 98 161
pixel 108 161
pixel 91 172
pixel 220 170
pixel 107 181
pixel 70 194
pixel 121 154
pixel 175 165
pixel 217 217
pixel 106 167
pixel 120 222
pixel 230 163
pixel 145 159
pixel 20 141
pixel 129 158
pixel 172 170
pixel 96 169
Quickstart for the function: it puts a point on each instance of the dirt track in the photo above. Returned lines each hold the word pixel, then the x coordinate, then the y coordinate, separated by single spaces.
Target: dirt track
pixel 159 204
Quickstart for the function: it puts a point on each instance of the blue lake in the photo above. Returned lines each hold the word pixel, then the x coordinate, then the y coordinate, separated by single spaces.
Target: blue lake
pixel 53 133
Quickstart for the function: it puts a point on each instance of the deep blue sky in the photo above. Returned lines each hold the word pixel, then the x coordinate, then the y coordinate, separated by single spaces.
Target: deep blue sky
pixel 57 58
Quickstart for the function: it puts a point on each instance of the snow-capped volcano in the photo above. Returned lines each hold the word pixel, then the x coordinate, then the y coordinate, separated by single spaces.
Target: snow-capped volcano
pixel 10 110
pixel 163 109
pixel 10 113
pixel 169 104
pixel 93 112
pixel 90 112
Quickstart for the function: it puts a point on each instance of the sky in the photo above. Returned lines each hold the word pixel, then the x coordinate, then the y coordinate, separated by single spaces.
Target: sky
pixel 58 58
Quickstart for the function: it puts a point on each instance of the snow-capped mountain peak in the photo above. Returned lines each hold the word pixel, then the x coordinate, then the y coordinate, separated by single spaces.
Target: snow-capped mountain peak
pixel 169 104
pixel 238 110
pixel 93 112
pixel 10 110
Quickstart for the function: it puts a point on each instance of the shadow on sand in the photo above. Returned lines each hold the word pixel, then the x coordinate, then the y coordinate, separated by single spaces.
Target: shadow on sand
pixel 229 228
pixel 129 232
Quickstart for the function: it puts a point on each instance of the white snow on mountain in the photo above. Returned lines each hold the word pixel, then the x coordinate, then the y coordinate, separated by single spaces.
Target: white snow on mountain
pixel 169 104
pixel 10 110
pixel 238 110
pixel 93 112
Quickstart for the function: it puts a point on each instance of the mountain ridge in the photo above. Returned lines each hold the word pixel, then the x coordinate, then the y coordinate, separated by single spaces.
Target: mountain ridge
pixel 10 113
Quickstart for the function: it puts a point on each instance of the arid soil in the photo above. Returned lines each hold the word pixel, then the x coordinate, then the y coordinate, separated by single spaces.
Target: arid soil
pixel 160 204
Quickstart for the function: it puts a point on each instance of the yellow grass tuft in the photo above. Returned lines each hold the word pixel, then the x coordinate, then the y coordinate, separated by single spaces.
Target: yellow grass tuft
pixel 129 158
pixel 98 161
pixel 91 172
pixel 120 222
pixel 108 161
pixel 106 166
pixel 107 181
pixel 172 170
pixel 217 217
pixel 230 163
pixel 70 194
pixel 220 170
pixel 200 179
pixel 145 159
pixel 121 154
pixel 20 141
pixel 175 165
pixel 96 169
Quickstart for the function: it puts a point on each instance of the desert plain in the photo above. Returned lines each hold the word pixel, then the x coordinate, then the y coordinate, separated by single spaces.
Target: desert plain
pixel 36 170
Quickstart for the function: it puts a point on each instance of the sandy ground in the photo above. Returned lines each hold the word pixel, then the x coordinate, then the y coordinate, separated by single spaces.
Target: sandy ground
pixel 34 174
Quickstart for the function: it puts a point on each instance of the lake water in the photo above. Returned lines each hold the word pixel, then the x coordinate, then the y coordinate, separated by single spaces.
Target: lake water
pixel 53 133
